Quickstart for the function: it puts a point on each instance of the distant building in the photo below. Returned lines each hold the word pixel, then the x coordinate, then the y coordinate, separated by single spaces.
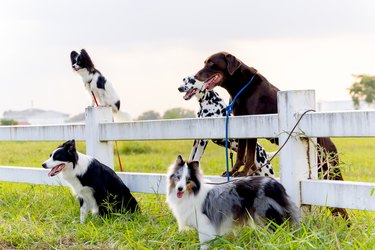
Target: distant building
pixel 118 117
pixel 341 105
pixel 36 116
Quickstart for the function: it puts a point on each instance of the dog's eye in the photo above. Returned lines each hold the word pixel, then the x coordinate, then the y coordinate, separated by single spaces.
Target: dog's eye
pixel 188 180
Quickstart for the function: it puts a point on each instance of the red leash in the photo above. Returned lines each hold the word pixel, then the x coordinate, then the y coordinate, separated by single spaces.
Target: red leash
pixel 117 152
pixel 96 101
pixel 118 157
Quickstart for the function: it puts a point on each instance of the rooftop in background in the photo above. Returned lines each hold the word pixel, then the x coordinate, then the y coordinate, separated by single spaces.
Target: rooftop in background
pixel 343 105
pixel 36 116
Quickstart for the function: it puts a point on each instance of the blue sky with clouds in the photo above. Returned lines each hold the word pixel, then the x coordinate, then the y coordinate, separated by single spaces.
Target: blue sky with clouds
pixel 146 47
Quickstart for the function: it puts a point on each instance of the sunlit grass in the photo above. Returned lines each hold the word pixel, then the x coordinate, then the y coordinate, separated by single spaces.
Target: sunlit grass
pixel 47 217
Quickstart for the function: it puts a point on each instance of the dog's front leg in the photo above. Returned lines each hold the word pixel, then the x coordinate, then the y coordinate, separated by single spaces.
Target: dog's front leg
pixel 83 209
pixel 240 158
pixel 249 157
pixel 206 232
pixel 198 150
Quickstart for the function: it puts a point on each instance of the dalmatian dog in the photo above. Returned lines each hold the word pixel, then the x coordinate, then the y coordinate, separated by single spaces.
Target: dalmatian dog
pixel 212 105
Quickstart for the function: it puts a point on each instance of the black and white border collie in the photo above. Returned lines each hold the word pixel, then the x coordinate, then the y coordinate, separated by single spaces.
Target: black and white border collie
pixel 95 83
pixel 96 186
pixel 215 209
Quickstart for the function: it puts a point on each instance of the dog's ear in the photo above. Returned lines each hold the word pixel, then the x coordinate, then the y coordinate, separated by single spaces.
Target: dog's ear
pixel 179 160
pixel 73 55
pixel 87 59
pixel 70 145
pixel 84 52
pixel 194 165
pixel 233 63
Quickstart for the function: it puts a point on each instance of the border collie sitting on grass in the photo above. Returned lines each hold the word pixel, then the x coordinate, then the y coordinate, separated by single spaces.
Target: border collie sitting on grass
pixel 97 187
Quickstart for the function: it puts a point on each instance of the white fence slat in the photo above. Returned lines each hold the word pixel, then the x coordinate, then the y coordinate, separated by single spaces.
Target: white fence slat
pixel 101 150
pixel 195 128
pixel 136 182
pixel 344 194
pixel 339 124
pixel 43 133
pixel 28 175
pixel 300 165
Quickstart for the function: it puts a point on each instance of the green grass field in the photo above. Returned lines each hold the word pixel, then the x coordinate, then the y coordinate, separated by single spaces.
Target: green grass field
pixel 41 217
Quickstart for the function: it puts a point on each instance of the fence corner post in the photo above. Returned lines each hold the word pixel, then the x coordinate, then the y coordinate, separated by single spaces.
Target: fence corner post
pixel 101 150
pixel 297 158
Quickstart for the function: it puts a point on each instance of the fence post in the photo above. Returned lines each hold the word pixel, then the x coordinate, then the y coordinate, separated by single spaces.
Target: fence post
pixel 101 150
pixel 298 157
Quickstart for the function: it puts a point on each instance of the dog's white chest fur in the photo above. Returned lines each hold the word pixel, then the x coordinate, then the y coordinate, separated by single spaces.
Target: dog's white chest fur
pixel 188 210
pixel 82 192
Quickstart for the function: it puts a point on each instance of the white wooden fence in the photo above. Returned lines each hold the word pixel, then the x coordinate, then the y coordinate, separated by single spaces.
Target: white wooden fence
pixel 297 159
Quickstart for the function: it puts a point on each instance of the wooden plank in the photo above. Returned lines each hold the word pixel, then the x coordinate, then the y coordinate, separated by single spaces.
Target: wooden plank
pixel 299 167
pixel 195 128
pixel 43 133
pixel 344 194
pixel 339 124
pixel 137 182
pixel 28 175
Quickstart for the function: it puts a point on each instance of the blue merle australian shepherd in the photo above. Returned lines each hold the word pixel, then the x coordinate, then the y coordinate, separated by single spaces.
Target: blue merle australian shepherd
pixel 96 186
pixel 215 209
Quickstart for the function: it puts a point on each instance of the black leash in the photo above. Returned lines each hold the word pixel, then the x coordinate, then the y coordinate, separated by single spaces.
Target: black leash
pixel 277 152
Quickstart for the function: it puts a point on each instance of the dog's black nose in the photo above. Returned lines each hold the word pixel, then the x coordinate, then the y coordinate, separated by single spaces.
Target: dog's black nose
pixel 181 89
pixel 179 189
pixel 44 165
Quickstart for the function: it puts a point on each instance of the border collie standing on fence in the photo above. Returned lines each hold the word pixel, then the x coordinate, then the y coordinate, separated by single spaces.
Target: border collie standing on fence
pixel 97 187
pixel 215 209
pixel 212 105
pixel 101 90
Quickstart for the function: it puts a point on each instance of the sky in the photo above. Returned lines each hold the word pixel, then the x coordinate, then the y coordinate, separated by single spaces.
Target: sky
pixel 146 47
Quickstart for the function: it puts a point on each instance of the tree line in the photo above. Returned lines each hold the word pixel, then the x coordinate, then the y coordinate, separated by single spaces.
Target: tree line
pixel 174 113
pixel 363 89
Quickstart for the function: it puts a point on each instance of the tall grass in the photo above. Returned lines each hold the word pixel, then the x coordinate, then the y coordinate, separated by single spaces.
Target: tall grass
pixel 47 217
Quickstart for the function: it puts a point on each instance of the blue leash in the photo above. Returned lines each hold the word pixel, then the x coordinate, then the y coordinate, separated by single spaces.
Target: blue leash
pixel 229 110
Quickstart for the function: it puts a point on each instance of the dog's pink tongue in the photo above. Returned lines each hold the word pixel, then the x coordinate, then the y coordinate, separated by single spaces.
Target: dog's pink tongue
pixel 210 83
pixel 54 171
pixel 180 194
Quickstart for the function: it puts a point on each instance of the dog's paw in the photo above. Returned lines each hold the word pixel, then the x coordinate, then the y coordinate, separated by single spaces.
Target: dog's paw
pixel 225 174
pixel 239 174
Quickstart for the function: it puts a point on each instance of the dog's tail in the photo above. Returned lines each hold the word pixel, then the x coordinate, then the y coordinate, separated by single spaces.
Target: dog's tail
pixel 116 106
pixel 286 207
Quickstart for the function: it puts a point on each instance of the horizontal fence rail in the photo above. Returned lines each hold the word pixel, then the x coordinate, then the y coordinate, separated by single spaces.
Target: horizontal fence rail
pixel 344 194
pixel 319 124
pixel 254 126
pixel 137 182
pixel 339 124
pixel 43 133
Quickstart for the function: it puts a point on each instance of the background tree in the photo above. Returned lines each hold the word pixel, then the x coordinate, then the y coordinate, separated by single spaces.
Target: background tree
pixel 8 122
pixel 176 113
pixel 363 89
pixel 149 115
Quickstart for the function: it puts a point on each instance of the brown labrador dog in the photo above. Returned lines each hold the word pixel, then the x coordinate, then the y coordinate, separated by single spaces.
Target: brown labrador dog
pixel 260 97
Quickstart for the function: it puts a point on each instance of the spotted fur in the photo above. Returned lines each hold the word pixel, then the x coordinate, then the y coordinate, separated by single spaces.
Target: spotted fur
pixel 212 105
